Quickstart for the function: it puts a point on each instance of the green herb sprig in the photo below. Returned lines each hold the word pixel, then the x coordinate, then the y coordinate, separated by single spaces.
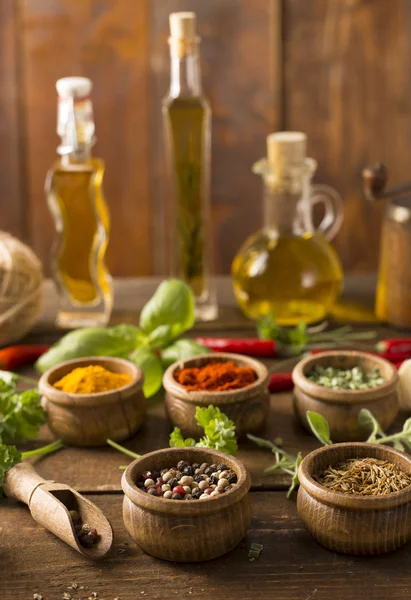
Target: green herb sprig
pixel 10 456
pixel 219 434
pixel 293 341
pixel 21 414
pixel 320 428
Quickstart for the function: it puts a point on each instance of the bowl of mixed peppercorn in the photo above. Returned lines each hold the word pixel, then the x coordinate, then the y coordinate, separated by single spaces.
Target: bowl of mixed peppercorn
pixel 338 384
pixel 355 498
pixel 186 504
pixel 237 385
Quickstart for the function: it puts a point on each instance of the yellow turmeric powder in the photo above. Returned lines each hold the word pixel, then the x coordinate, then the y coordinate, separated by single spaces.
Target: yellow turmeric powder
pixel 91 380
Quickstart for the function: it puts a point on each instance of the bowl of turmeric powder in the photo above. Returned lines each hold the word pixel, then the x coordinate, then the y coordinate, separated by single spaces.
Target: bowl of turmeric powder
pixel 238 385
pixel 88 400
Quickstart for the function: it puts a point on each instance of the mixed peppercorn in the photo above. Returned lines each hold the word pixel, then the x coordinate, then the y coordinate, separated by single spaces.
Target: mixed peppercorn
pixel 85 534
pixel 188 481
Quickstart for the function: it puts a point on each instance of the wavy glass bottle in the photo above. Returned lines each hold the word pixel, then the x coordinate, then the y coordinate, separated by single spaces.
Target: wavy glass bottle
pixel 187 120
pixel 75 198
pixel 288 268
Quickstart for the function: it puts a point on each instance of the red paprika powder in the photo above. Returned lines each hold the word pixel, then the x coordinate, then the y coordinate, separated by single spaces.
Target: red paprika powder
pixel 215 376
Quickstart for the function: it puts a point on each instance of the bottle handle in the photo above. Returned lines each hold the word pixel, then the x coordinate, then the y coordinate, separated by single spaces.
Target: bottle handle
pixel 333 207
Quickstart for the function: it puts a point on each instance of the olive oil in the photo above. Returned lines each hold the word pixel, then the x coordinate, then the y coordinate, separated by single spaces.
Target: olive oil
pixel 294 278
pixel 76 201
pixel 288 268
pixel 187 121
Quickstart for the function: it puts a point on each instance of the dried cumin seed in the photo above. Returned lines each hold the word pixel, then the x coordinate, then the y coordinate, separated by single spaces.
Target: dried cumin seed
pixel 366 476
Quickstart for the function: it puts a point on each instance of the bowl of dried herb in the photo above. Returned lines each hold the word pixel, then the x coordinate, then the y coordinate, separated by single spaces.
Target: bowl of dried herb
pixel 355 498
pixel 338 384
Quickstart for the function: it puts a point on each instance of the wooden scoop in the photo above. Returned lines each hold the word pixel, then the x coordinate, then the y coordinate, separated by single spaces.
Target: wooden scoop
pixel 50 503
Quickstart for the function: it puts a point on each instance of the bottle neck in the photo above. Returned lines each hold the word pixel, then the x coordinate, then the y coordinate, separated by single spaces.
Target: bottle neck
pixel 75 126
pixel 185 71
pixel 286 212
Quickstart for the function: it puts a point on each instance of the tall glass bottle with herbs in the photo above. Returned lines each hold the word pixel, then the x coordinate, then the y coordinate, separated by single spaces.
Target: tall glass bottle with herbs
pixel 75 198
pixel 187 119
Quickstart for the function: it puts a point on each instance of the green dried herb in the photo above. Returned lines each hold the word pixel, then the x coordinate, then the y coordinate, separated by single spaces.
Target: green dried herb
pixel 345 379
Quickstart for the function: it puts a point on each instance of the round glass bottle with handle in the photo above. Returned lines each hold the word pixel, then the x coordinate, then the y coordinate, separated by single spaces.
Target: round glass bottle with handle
pixel 289 268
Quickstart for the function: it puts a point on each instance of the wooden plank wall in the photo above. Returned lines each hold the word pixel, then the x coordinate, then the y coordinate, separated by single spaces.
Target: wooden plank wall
pixel 337 69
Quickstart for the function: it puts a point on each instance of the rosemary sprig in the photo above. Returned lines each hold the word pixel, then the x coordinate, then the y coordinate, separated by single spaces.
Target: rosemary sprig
pixel 319 426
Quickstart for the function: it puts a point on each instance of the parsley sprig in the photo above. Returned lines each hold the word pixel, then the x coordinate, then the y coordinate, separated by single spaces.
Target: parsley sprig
pixel 219 431
pixel 21 414
pixel 10 456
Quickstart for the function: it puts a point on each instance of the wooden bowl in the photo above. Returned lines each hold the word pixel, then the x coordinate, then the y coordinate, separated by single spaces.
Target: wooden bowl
pixel 247 407
pixel 341 407
pixel 89 419
pixel 186 531
pixel 354 524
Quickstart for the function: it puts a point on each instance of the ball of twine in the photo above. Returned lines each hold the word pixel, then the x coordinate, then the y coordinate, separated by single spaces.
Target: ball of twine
pixel 21 280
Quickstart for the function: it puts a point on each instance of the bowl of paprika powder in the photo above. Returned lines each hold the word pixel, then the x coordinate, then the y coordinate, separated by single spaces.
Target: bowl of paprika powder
pixel 237 385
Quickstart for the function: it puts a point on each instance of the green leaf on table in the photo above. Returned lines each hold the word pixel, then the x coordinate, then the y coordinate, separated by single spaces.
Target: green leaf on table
pixel 294 340
pixel 161 337
pixel 319 427
pixel 219 430
pixel 21 415
pixel 9 456
pixel 177 440
pixel 295 482
pixel 92 341
pixel 181 350
pixel 367 420
pixel 150 364
pixel 9 379
pixel 173 305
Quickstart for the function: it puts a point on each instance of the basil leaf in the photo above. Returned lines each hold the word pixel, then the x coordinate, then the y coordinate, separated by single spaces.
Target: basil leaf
pixel 92 341
pixel 367 420
pixel 161 337
pixel 172 304
pixel 150 364
pixel 181 350
pixel 319 427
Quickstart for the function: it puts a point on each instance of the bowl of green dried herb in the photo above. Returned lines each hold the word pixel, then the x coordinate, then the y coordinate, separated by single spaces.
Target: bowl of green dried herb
pixel 355 498
pixel 338 384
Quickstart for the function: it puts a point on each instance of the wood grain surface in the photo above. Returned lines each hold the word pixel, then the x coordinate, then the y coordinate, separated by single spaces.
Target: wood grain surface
pixel 291 566
pixel 336 69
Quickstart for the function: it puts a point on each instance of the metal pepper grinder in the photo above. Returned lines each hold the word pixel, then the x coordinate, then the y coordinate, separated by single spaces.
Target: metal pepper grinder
pixel 393 299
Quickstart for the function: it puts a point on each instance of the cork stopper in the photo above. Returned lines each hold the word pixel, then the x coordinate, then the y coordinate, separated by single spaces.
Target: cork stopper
pixel 286 149
pixel 183 26
pixel 74 87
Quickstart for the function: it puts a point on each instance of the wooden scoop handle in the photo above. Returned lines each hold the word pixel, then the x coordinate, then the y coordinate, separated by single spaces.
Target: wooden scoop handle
pixel 21 481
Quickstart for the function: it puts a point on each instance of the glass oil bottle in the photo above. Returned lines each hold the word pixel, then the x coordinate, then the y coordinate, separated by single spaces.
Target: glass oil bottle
pixel 187 121
pixel 75 197
pixel 288 268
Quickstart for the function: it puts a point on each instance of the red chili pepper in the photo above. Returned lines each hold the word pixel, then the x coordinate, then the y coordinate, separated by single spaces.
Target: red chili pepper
pixel 248 346
pixel 12 357
pixel 280 382
pixel 395 346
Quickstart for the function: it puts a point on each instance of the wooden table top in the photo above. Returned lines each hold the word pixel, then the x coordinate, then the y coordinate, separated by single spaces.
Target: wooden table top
pixel 291 566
